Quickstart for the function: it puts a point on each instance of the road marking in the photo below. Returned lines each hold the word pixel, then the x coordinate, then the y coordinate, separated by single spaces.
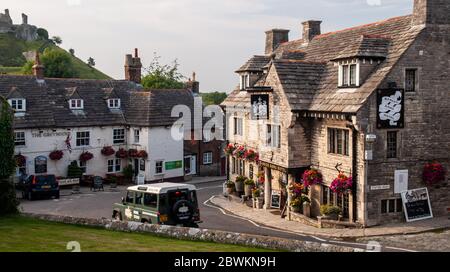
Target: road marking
pixel 295 233
pixel 212 187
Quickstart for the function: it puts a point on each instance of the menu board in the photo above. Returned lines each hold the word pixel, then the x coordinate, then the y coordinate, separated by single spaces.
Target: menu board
pixel 275 199
pixel 417 205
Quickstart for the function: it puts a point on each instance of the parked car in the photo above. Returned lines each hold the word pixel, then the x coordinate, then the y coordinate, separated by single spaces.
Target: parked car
pixel 162 203
pixel 35 186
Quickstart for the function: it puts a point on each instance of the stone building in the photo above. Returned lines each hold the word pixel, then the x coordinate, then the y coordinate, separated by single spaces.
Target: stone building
pixel 23 31
pixel 371 101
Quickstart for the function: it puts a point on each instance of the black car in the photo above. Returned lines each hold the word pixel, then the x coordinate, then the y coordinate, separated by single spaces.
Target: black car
pixel 38 186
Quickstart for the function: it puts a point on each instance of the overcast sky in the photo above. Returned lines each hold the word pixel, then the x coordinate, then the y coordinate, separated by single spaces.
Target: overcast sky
pixel 211 37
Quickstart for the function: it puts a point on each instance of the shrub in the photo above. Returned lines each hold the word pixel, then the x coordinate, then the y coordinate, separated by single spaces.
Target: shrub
pixel 256 192
pixel 330 210
pixel 42 33
pixel 74 171
pixel 128 172
pixel 230 184
pixel 249 182
pixel 241 179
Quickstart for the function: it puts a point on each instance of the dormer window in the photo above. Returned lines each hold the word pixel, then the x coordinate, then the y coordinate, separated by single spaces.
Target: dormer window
pixel 244 81
pixel 76 104
pixel 114 103
pixel 18 104
pixel 349 75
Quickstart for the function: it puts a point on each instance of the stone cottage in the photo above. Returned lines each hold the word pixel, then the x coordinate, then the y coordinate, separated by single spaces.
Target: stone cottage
pixel 371 101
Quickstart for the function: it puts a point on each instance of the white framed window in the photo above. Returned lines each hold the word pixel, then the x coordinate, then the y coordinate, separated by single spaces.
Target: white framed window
pixel 76 104
pixel 114 103
pixel 159 167
pixel 137 136
pixel 244 81
pixel 238 126
pixel 349 75
pixel 18 105
pixel 83 138
pixel 114 166
pixel 83 166
pixel 118 136
pixel 19 138
pixel 207 158
pixel 273 136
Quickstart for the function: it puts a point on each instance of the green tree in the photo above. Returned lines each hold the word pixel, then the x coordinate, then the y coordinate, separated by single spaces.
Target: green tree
pixel 72 51
pixel 8 201
pixel 158 76
pixel 91 62
pixel 57 63
pixel 42 33
pixel 214 98
pixel 57 40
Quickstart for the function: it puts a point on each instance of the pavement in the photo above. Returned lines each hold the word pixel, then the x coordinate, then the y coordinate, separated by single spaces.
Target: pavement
pixel 275 221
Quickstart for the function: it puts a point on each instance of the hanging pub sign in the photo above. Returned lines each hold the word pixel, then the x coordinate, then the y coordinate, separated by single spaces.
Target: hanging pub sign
pixel 416 204
pixel 390 108
pixel 260 106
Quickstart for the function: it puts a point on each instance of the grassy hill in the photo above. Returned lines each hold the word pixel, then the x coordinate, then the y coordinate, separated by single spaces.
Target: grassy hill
pixel 12 59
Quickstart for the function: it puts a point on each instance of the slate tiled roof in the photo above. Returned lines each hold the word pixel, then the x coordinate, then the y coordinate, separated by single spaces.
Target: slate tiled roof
pixel 255 64
pixel 48 107
pixel 309 91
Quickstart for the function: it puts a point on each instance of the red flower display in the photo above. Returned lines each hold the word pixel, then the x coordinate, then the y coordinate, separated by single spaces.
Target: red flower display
pixel 108 151
pixel 251 155
pixel 433 173
pixel 121 154
pixel 229 149
pixel 86 156
pixel 56 155
pixel 240 152
pixel 143 154
pixel 20 160
pixel 312 177
pixel 341 184
pixel 133 153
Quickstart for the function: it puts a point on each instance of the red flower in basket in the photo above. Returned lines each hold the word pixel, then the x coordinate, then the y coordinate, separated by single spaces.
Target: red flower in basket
pixel 121 154
pixel 229 149
pixel 312 177
pixel 133 153
pixel 433 173
pixel 56 155
pixel 341 184
pixel 20 160
pixel 86 156
pixel 108 151
pixel 239 152
pixel 143 154
pixel 251 155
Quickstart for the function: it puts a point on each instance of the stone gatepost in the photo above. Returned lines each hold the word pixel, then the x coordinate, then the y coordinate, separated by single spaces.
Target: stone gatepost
pixel 291 180
pixel 267 188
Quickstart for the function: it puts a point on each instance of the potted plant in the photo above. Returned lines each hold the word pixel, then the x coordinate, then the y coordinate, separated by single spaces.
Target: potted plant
pixel 121 154
pixel 433 173
pixel 231 187
pixel 341 184
pixel 257 197
pixel 56 155
pixel 330 212
pixel 108 151
pixel 240 183
pixel 86 156
pixel 296 205
pixel 249 184
pixel 312 177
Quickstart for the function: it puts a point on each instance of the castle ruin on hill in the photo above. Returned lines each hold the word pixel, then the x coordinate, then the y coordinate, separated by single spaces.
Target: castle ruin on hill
pixel 23 31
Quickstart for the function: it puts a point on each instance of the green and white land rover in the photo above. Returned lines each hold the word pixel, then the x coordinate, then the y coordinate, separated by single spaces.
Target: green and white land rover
pixel 162 203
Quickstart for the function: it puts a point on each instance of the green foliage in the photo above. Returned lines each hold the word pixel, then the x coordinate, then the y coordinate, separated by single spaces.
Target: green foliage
pixel 330 210
pixel 128 172
pixel 230 184
pixel 57 63
pixel 91 62
pixel 159 76
pixel 42 33
pixel 72 51
pixel 8 201
pixel 57 40
pixel 74 171
pixel 249 182
pixel 214 98
pixel 241 179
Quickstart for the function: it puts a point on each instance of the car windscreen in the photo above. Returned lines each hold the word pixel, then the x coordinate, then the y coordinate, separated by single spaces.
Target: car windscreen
pixel 45 179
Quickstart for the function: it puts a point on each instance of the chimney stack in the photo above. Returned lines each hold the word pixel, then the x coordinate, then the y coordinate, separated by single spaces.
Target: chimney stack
pixel 193 84
pixel 311 29
pixel 24 19
pixel 7 12
pixel 431 12
pixel 274 38
pixel 38 68
pixel 133 67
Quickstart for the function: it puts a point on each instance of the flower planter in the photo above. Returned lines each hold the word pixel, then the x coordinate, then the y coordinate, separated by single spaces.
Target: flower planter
pixel 295 209
pixel 239 186
pixel 248 190
pixel 258 203
pixel 230 190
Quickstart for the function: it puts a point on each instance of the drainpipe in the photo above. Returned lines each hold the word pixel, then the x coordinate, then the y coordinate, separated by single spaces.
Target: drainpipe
pixel 355 173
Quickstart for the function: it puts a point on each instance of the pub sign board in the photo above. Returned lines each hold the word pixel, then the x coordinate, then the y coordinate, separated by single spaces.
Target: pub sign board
pixel 390 108
pixel 275 201
pixel 416 204
pixel 260 106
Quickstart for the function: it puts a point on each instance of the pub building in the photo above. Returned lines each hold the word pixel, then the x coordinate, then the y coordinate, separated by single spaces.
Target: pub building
pixel 103 125
pixel 371 102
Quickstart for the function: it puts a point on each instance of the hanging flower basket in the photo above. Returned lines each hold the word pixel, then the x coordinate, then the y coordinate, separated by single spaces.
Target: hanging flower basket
pixel 229 149
pixel 296 189
pixel 108 151
pixel 21 160
pixel 143 154
pixel 312 177
pixel 86 156
pixel 121 154
pixel 433 173
pixel 341 184
pixel 133 153
pixel 56 155
pixel 251 155
pixel 239 152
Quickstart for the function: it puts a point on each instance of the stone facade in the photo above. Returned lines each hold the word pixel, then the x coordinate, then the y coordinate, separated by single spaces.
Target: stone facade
pixel 23 31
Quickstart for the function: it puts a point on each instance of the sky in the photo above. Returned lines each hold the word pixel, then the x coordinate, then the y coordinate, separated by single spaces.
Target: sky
pixel 211 37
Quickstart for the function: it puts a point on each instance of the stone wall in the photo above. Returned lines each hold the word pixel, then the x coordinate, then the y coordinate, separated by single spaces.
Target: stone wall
pixel 199 234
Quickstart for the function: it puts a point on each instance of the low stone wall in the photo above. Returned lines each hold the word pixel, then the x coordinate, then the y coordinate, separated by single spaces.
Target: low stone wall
pixel 198 234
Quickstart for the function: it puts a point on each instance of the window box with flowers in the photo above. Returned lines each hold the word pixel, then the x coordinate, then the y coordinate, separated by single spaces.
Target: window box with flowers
pixel 341 184
pixel 108 151
pixel 312 177
pixel 434 174
pixel 56 155
pixel 121 154
pixel 86 156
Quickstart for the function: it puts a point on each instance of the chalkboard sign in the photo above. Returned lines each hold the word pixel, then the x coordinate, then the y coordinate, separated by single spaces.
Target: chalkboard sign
pixel 416 204
pixel 276 200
